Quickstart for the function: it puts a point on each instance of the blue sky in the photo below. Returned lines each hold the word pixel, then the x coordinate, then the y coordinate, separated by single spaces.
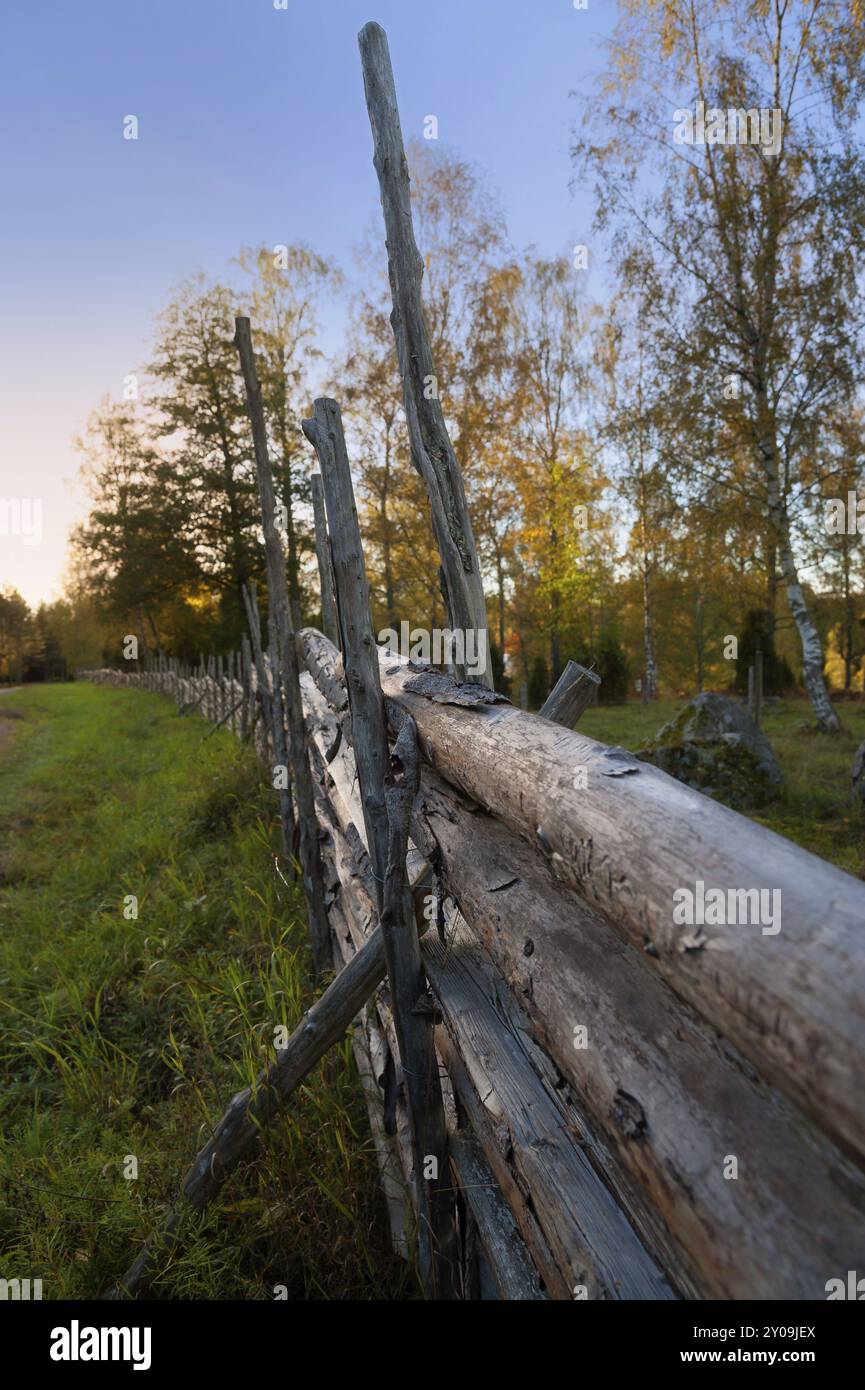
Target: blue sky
pixel 252 128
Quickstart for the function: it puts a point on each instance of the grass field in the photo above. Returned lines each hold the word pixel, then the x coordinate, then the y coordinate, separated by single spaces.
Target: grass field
pixel 123 1038
pixel 814 807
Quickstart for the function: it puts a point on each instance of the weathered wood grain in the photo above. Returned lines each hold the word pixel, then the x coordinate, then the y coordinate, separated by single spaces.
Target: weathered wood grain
pixel 515 1277
pixel 671 1101
pixel 627 837
pixel 572 693
pixel 274 726
pixel 388 783
pixel 601 1244
pixel 579 1236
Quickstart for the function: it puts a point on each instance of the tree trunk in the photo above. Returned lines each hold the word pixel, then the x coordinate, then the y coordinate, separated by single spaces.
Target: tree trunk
pixel 848 622
pixel 812 649
pixel 500 587
pixel 699 641
pixel 649 685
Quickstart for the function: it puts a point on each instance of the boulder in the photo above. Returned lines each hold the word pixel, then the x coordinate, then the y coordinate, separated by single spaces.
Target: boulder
pixel 714 746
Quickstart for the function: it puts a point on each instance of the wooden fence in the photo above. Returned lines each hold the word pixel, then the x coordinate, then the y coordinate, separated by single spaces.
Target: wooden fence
pixel 575 1091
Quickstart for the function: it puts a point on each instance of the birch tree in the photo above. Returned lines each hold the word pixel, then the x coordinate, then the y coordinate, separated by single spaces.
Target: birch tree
pixel 726 153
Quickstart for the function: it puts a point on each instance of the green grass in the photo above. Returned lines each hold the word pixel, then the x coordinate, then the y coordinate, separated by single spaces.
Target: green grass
pixel 124 1036
pixel 814 807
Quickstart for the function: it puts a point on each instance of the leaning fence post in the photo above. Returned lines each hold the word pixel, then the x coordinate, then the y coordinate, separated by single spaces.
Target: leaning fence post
pixel 387 804
pixel 431 449
pixel 310 852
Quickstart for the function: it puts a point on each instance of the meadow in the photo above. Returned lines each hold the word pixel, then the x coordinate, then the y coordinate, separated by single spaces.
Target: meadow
pixel 122 1038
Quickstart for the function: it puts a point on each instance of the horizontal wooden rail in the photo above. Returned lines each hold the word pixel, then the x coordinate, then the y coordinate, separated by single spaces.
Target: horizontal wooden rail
pixel 671 1106
pixel 630 839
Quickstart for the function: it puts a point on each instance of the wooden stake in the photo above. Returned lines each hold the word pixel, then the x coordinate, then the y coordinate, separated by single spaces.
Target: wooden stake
pixel 431 449
pixel 388 788
pixel 310 855
pixel 571 695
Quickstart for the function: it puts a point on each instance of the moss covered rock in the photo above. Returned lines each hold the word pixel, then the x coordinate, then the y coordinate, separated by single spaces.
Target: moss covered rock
pixel 714 746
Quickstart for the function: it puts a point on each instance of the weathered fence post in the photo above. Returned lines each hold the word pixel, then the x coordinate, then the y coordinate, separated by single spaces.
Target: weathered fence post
pixel 387 805
pixel 329 623
pixel 310 854
pixel 571 695
pixel 431 449
pixel 758 686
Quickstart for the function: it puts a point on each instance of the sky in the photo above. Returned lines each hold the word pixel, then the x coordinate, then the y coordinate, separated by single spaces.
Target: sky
pixel 252 129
